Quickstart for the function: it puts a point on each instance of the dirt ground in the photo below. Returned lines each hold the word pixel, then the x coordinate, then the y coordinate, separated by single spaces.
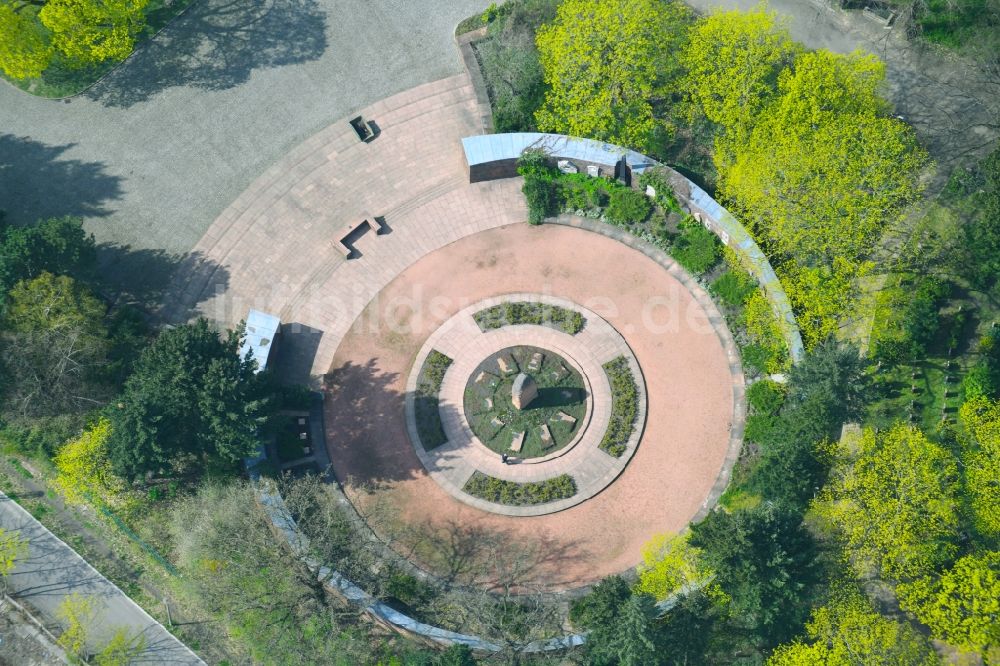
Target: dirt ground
pixel 686 371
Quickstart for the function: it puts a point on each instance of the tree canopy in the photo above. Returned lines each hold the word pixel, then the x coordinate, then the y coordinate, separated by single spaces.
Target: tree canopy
pixel 57 245
pixel 605 62
pixel 980 417
pixel 53 346
pixel 82 32
pixel 847 631
pixel 962 605
pixel 762 559
pixel 894 500
pixel 85 473
pixel 190 398
pixel 733 59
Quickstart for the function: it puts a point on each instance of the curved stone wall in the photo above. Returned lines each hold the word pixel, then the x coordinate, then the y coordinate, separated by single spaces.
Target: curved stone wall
pixel 493 156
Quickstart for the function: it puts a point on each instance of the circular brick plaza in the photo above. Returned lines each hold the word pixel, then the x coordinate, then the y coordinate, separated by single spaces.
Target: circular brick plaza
pixel 669 325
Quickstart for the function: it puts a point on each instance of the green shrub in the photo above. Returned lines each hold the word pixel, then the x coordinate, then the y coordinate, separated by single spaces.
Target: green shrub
pixel 539 314
pixel 760 427
pixel 626 206
pixel 520 494
pixel 979 382
pixel 664 197
pixel 757 357
pixel 696 249
pixel 766 396
pixel 732 287
pixel 624 406
pixel 425 401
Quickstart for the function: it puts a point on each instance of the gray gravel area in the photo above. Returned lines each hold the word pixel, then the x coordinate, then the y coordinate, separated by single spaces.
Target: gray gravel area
pixel 155 151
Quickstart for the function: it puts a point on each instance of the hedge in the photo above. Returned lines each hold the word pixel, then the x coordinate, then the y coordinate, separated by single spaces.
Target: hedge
pixel 522 312
pixel 624 406
pixel 520 494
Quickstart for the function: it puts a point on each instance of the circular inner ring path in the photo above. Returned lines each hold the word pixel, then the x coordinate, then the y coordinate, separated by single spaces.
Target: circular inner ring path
pixel 693 381
pixel 460 338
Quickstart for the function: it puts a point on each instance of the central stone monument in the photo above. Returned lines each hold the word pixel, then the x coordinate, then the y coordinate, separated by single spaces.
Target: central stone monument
pixel 523 391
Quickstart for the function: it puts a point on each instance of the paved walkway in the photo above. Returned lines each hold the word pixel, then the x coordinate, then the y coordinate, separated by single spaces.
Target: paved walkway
pixel 155 152
pixel 452 463
pixel 273 248
pixel 52 570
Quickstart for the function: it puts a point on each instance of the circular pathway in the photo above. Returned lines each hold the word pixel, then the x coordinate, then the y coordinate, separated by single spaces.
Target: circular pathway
pixel 693 382
pixel 452 464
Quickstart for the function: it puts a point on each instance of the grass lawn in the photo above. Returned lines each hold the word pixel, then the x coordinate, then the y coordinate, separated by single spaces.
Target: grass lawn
pixel 61 79
pixel 560 389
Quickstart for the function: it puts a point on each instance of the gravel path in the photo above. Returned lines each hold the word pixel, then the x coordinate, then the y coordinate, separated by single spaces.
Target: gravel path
pixel 153 153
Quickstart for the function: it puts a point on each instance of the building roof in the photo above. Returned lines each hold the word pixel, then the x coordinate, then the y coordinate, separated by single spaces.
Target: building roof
pixel 261 330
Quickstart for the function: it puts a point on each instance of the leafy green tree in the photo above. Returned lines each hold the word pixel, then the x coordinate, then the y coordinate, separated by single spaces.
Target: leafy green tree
pixel 894 500
pixel 605 61
pixel 632 638
pixel 456 655
pixel 189 399
pixel 982 232
pixel 25 48
pixel 121 650
pixel 669 564
pixel 732 60
pixel 835 373
pixel 85 474
pixel 53 347
pixel 57 245
pixel 762 559
pixel 980 419
pixel 818 175
pixel 601 605
pixel 12 548
pixel 92 31
pixel 847 631
pixel 83 32
pixel 962 605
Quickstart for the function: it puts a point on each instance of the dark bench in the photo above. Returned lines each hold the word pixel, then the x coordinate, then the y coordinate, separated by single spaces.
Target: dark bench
pixel 370 222
pixel 365 131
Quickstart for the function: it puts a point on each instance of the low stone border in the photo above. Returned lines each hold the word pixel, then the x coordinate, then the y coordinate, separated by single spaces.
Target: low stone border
pixel 452 464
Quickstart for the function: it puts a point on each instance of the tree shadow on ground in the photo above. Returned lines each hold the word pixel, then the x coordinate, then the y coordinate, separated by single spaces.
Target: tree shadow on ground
pixel 37 182
pixel 146 278
pixel 216 45
pixel 365 425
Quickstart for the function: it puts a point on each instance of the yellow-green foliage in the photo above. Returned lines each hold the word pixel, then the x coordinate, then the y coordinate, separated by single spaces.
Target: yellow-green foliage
pixel 732 58
pixel 85 472
pixel 764 330
pixel 962 605
pixel 809 156
pixel 669 563
pixel 83 32
pixel 980 417
pixel 90 31
pixel 12 548
pixel 120 650
pixel 25 49
pixel 603 61
pixel 76 613
pixel 894 502
pixel 849 631
pixel 821 294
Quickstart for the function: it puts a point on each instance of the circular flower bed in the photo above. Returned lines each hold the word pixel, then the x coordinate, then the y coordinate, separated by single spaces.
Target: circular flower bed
pixel 548 423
